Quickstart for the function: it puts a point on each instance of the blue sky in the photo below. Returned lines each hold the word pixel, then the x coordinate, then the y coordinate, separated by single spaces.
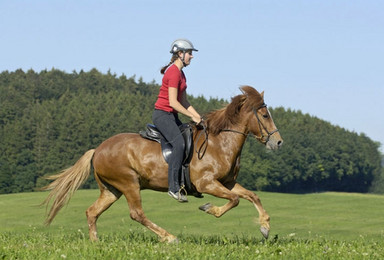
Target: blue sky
pixel 323 57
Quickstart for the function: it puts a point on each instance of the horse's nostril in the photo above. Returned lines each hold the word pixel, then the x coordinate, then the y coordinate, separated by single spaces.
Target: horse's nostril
pixel 280 143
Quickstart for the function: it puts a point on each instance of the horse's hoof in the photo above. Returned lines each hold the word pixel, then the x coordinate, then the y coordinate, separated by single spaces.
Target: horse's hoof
pixel 170 239
pixel 205 207
pixel 265 232
pixel 174 241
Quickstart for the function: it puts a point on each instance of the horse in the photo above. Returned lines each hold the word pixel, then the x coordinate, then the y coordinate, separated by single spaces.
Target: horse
pixel 126 163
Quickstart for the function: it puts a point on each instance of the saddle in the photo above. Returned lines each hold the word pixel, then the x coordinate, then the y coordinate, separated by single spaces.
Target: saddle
pixel 152 133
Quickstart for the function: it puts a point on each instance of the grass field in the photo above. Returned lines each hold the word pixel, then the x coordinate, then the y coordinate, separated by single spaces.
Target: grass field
pixel 311 226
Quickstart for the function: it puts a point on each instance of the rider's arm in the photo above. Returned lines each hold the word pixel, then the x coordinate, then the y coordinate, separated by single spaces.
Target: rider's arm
pixel 184 107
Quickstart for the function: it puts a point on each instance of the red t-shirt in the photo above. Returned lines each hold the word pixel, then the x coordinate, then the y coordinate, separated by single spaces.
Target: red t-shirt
pixel 173 78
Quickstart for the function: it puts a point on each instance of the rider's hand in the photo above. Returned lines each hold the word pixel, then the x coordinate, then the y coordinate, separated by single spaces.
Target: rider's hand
pixel 197 120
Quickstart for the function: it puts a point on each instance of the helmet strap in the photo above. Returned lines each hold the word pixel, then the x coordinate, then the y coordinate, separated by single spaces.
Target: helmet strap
pixel 182 59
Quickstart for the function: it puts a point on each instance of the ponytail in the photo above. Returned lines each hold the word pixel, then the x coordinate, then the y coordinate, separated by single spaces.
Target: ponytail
pixel 175 56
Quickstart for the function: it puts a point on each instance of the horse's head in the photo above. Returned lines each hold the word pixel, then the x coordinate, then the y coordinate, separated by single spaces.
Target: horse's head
pixel 247 113
pixel 260 122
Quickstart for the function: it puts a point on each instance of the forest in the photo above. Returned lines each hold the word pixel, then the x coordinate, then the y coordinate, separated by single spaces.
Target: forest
pixel 48 119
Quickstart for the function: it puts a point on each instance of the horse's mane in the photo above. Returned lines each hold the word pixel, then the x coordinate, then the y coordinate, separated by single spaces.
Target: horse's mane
pixel 228 116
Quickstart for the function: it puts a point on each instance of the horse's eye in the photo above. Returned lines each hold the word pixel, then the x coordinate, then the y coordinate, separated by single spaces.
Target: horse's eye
pixel 265 116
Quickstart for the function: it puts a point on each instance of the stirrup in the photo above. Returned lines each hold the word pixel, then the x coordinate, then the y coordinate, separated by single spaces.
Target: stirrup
pixel 182 188
pixel 182 192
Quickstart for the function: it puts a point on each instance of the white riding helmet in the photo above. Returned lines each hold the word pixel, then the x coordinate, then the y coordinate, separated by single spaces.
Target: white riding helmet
pixel 182 45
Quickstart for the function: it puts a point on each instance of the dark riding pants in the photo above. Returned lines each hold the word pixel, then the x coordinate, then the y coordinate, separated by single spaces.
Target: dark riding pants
pixel 168 125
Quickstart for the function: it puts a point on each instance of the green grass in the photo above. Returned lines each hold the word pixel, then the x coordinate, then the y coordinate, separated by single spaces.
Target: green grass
pixel 311 226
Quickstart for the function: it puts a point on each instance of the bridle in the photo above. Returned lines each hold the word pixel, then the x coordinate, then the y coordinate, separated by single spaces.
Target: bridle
pixel 263 138
pixel 261 127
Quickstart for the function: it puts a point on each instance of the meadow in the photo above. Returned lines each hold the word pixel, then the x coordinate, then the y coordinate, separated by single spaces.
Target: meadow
pixel 303 226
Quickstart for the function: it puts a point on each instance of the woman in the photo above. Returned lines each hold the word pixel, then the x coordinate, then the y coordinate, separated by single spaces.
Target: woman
pixel 172 99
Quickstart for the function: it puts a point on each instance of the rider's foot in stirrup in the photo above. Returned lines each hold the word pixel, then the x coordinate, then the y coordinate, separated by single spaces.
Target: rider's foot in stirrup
pixel 178 196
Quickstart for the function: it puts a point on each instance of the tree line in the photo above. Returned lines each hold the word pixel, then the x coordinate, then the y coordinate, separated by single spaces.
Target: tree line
pixel 48 119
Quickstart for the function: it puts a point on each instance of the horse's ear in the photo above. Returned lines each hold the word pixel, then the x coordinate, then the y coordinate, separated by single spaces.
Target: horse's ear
pixel 249 91
pixel 262 94
pixel 242 90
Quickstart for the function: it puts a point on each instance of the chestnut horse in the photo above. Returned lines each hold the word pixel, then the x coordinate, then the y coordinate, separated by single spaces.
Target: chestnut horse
pixel 127 163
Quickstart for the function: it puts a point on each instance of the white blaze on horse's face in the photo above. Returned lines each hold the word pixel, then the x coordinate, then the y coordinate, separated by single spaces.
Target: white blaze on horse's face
pixel 268 133
pixel 275 141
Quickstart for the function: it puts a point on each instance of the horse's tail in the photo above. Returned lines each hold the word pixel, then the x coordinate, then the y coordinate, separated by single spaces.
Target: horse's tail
pixel 66 183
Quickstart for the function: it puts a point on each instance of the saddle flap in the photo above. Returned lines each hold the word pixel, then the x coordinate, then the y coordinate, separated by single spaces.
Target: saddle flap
pixel 187 132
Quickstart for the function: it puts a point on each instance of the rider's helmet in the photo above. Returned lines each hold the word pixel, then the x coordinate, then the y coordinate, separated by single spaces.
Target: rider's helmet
pixel 182 45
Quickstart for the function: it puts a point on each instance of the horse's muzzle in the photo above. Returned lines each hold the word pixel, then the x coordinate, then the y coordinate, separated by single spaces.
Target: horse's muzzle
pixel 274 142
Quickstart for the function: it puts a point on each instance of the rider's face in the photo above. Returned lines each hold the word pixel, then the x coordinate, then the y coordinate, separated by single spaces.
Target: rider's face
pixel 187 57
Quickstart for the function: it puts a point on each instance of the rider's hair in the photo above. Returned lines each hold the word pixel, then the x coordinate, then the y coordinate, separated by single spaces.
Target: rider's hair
pixel 175 56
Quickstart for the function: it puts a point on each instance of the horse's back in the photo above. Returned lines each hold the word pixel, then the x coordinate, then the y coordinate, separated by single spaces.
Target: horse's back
pixel 121 147
pixel 128 154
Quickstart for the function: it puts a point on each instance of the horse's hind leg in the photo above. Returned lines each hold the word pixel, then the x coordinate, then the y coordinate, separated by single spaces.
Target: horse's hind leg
pixel 105 200
pixel 136 212
pixel 252 197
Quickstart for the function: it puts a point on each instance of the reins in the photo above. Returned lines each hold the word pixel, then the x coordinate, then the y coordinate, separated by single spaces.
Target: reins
pixel 201 151
pixel 234 131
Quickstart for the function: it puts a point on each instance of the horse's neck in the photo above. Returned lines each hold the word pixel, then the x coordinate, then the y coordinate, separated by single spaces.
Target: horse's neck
pixel 233 139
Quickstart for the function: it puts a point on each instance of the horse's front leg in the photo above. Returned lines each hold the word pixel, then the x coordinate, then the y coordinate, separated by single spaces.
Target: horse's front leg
pixel 252 197
pixel 216 189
